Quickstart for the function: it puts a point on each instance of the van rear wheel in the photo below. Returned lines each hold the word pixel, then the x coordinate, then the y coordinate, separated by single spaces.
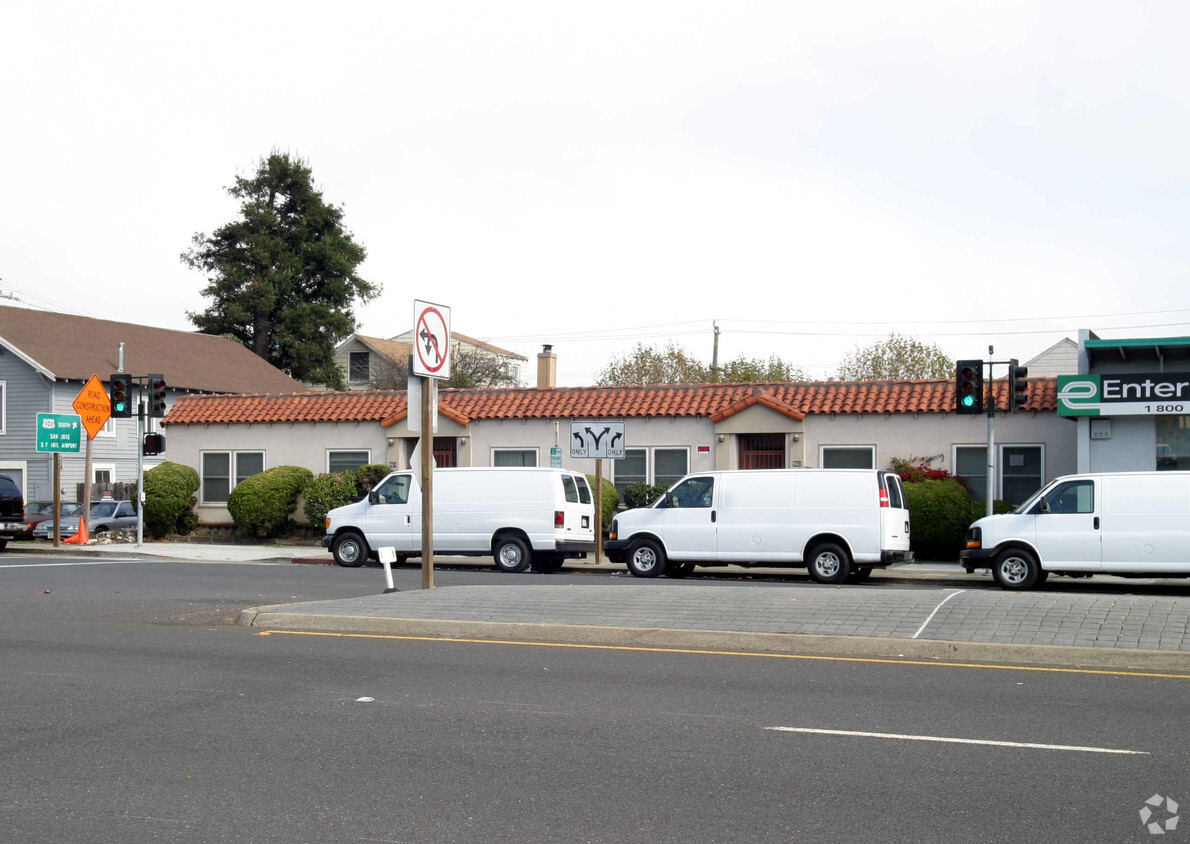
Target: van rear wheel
pixel 512 554
pixel 829 563
pixel 1016 569
pixel 349 549
pixel 646 558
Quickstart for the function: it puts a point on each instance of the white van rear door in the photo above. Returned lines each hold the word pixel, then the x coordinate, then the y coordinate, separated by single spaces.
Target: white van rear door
pixel 579 509
pixel 894 513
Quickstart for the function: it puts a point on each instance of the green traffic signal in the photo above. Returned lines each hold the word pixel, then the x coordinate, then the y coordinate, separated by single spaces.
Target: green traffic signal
pixel 968 401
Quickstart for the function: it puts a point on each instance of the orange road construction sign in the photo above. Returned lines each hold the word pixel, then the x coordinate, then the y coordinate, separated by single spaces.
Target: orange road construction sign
pixel 93 406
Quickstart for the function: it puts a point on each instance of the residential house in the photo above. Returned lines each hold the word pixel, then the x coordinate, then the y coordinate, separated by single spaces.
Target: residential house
pixel 367 360
pixel 46 358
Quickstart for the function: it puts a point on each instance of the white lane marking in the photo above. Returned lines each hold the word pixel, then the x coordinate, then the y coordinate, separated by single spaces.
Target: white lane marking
pixel 948 740
pixel 935 612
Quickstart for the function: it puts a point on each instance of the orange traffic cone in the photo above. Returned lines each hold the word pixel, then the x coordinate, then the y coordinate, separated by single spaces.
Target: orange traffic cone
pixel 81 536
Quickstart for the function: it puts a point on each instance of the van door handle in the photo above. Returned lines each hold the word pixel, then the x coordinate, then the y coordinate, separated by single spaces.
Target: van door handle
pixel 712 515
pixel 408 519
pixel 1096 523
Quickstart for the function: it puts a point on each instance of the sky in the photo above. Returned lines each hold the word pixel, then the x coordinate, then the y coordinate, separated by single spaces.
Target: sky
pixel 807 177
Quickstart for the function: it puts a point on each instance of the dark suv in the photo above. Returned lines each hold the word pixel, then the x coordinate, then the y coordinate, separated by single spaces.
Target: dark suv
pixel 12 510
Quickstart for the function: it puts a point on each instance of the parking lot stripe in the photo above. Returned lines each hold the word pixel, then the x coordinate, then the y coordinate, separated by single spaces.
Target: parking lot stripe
pixel 949 740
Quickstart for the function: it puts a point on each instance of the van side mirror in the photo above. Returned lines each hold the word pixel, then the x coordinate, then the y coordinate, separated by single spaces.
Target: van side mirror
pixel 1043 505
pixel 373 497
pixel 667 500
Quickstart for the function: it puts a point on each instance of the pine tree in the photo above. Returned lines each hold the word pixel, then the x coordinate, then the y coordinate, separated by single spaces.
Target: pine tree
pixel 282 277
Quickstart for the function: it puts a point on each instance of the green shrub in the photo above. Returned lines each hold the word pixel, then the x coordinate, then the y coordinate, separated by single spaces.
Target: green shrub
pixel 170 500
pixel 261 505
pixel 368 476
pixel 326 492
pixel 611 499
pixel 641 494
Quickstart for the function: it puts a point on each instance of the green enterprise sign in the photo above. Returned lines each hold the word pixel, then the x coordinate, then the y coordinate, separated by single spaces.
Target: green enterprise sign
pixel 1124 394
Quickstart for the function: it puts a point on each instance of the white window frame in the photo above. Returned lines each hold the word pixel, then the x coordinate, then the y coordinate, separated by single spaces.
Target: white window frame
pixel 536 452
pixel 651 462
pixel 3 407
pixel 232 466
pixel 368 358
pixel 998 481
pixel 367 452
pixel 823 449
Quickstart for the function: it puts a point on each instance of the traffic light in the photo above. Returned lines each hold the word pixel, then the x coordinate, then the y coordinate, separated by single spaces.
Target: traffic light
pixel 1018 387
pixel 154 444
pixel 157 396
pixel 121 395
pixel 968 387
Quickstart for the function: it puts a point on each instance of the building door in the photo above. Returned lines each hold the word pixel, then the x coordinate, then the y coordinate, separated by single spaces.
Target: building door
pixel 446 454
pixel 762 451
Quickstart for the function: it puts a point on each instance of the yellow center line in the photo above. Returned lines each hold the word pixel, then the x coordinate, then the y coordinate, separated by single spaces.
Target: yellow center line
pixel 868 659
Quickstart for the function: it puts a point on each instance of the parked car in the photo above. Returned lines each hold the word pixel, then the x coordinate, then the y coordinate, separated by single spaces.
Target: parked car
pixel 37 512
pixel 105 516
pixel 12 510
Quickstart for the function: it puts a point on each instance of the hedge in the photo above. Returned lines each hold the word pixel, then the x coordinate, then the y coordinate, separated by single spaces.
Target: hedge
pixel 170 500
pixel 262 504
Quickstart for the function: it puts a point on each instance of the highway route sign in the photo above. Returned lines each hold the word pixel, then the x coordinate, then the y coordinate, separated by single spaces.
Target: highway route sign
pixel 597 439
pixel 431 340
pixel 59 432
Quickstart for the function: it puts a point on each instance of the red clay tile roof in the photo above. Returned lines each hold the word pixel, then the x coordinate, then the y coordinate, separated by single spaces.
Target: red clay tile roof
pixel 715 401
pixel 76 347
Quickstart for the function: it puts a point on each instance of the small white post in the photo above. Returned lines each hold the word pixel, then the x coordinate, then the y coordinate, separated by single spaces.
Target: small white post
pixel 388 556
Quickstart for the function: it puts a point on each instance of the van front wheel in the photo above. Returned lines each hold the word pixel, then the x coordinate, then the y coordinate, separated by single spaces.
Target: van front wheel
pixel 512 554
pixel 829 563
pixel 646 559
pixel 1016 569
pixel 349 549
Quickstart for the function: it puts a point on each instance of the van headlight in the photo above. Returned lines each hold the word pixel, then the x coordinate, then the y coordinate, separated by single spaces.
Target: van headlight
pixel 975 538
pixel 615 529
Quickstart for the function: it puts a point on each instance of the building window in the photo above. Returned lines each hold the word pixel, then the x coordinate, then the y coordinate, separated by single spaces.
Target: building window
pixel 848 457
pixel 1019 471
pixel 1173 442
pixel 223 470
pixel 654 466
pixel 358 371
pixel 514 457
pixel 347 461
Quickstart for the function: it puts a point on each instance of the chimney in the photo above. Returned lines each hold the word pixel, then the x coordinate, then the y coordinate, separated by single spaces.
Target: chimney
pixel 547 368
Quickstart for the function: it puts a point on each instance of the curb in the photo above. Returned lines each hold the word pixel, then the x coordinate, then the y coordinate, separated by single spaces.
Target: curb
pixel 726 642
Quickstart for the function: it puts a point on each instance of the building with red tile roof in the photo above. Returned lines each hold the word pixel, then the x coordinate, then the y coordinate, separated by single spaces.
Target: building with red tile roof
pixel 669 430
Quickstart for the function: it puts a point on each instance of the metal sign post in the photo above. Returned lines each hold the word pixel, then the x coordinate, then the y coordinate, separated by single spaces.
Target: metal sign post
pixel 431 360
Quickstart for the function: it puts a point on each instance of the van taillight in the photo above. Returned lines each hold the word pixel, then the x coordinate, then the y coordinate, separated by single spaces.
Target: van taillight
pixel 883 497
pixel 559 518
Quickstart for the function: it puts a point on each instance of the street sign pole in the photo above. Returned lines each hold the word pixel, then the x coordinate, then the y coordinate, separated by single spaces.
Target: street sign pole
pixel 431 361
pixel 429 389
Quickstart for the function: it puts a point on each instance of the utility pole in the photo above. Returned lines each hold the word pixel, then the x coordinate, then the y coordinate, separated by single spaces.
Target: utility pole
pixel 715 354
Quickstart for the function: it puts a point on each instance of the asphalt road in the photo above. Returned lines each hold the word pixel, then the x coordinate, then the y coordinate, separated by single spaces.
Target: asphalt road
pixel 135 710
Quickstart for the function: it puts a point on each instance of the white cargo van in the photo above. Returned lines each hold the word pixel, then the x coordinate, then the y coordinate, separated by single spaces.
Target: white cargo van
pixel 521 516
pixel 1135 524
pixel 839 523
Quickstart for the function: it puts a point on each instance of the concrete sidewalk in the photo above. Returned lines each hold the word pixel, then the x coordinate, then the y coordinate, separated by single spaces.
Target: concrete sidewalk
pixel 973 620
